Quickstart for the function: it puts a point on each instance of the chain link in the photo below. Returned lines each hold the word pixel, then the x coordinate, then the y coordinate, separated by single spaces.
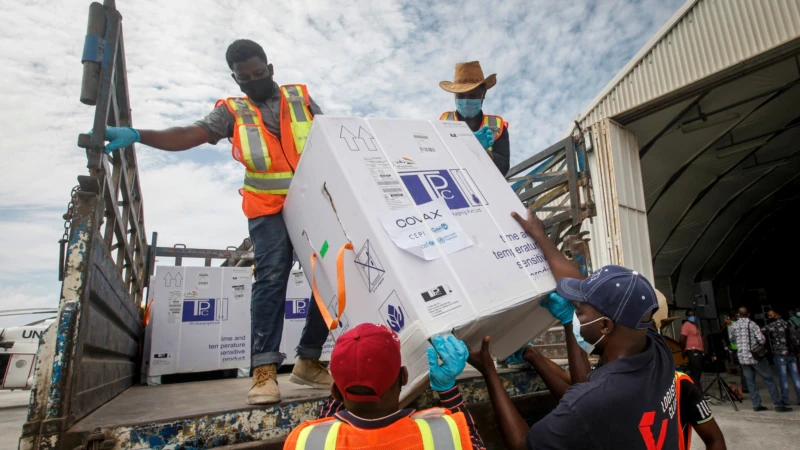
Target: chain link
pixel 62 243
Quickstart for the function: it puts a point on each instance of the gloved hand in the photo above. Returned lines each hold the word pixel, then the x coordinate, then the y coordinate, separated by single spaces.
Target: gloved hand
pixel 561 308
pixel 485 137
pixel 454 354
pixel 120 137
pixel 516 358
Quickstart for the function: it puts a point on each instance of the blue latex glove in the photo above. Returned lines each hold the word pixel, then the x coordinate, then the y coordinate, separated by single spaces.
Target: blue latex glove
pixel 516 358
pixel 454 354
pixel 485 137
pixel 561 308
pixel 120 137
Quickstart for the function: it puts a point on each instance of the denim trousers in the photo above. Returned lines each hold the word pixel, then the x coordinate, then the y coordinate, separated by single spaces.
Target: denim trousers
pixel 762 368
pixel 787 367
pixel 273 266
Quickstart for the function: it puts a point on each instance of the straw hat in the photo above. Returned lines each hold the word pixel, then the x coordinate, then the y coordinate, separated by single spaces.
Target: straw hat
pixel 468 77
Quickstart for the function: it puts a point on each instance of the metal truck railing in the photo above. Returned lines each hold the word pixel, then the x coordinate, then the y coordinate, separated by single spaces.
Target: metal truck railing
pixel 91 354
pixel 556 185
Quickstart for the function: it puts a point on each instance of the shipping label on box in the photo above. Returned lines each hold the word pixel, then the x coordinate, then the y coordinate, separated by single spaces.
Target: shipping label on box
pixel 435 248
pixel 200 319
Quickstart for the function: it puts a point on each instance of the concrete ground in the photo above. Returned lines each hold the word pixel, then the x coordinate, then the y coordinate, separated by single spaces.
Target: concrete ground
pixel 747 429
pixel 13 409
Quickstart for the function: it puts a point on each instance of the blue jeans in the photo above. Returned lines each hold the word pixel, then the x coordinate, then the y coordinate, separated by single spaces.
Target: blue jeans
pixel 273 261
pixel 762 368
pixel 787 365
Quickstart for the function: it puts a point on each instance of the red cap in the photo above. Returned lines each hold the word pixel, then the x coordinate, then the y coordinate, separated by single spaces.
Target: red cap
pixel 369 356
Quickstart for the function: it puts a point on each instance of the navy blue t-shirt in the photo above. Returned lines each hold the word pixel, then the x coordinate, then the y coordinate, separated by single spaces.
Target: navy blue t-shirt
pixel 626 404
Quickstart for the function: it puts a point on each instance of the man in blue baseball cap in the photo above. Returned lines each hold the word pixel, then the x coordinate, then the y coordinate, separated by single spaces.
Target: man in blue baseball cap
pixel 629 400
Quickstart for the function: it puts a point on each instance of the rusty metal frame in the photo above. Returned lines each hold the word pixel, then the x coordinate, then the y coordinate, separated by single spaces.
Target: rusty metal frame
pixel 555 183
pixel 91 353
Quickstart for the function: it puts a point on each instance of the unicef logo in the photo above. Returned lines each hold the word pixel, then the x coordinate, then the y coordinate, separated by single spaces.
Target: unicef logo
pixel 444 226
pixel 431 243
pixel 441 240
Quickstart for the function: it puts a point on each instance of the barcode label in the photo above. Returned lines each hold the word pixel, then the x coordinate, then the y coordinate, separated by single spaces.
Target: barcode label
pixel 420 136
pixel 427 149
pixel 203 280
pixel 393 190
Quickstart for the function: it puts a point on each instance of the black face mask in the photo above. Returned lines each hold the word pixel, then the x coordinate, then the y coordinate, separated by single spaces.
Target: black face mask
pixel 258 90
pixel 771 320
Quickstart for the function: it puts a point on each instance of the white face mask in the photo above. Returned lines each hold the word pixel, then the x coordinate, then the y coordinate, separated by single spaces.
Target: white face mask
pixel 576 330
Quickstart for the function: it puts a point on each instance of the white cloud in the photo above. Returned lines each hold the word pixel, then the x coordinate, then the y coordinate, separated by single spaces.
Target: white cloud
pixel 358 58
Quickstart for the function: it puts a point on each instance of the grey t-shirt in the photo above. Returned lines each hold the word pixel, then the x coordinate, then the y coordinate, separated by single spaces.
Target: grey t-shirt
pixel 219 122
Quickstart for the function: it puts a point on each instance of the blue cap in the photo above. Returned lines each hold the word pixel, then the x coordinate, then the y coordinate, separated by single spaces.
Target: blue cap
pixel 623 295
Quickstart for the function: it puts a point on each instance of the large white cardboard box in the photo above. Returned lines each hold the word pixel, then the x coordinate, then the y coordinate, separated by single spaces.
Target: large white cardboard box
pixel 435 248
pixel 298 301
pixel 199 320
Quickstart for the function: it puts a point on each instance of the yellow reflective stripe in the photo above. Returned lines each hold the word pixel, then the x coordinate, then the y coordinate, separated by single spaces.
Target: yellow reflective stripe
pixel 299 114
pixel 318 437
pixel 453 431
pixel 333 434
pixel 297 103
pixel 267 183
pixel 250 132
pixel 440 433
pixel 427 436
pixel 450 115
pixel 300 131
pixel 303 438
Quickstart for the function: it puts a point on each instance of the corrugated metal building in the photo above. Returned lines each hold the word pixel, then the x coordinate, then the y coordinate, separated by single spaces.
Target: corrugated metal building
pixel 712 107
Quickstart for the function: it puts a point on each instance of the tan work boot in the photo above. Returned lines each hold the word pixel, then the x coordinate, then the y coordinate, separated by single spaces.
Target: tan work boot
pixel 311 372
pixel 265 386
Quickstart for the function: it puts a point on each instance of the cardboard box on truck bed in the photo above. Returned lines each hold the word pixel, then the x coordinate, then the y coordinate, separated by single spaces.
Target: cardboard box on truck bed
pixel 199 320
pixel 434 246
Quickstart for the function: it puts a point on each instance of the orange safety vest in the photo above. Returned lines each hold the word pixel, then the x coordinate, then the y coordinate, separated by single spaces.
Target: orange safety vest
pixel 269 162
pixel 495 123
pixel 684 443
pixel 425 430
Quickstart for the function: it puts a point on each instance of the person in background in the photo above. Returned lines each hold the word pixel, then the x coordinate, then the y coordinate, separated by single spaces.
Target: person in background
pixel 277 120
pixel 733 353
pixel 470 87
pixel 783 357
pixel 628 402
pixel 794 319
pixel 692 346
pixel 747 336
pixel 364 412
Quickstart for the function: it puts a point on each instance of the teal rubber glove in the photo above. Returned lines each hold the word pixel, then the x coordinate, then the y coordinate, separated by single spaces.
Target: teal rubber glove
pixel 485 137
pixel 454 354
pixel 516 358
pixel 120 137
pixel 561 308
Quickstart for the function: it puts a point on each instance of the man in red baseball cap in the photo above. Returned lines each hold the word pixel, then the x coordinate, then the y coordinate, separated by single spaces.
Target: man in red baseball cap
pixel 368 376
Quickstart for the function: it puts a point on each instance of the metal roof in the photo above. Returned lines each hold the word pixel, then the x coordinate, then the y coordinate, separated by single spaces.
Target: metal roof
pixel 703 38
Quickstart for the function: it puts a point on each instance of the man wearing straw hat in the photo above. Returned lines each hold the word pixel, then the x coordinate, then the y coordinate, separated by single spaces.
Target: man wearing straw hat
pixel 470 86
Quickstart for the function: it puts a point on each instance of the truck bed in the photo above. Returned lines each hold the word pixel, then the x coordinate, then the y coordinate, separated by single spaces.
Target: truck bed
pixel 209 414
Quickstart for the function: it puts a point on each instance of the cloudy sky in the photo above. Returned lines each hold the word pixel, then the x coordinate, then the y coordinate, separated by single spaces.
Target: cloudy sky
pixel 358 59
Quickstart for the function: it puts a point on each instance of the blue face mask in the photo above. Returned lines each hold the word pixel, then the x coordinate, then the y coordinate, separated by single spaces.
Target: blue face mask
pixel 692 319
pixel 469 107
pixel 576 330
